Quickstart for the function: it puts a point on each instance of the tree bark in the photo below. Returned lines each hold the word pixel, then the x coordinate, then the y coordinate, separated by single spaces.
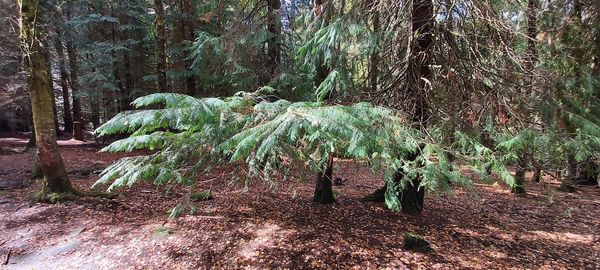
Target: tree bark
pixel 95 106
pixel 125 95
pixel 374 58
pixel 189 14
pixel 519 188
pixel 323 184
pixel 414 101
pixel 74 79
pixel 322 9
pixel 161 56
pixel 418 71
pixel 568 183
pixel 531 59
pixel 35 62
pixel 419 59
pixel 67 114
pixel 273 44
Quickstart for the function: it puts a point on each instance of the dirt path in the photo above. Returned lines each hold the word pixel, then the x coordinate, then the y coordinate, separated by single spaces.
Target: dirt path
pixel 485 228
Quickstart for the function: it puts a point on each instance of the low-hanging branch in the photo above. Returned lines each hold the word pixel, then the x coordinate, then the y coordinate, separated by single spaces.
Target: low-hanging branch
pixel 189 134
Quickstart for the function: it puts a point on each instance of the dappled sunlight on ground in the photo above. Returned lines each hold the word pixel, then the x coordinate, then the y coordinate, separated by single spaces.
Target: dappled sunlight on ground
pixel 479 228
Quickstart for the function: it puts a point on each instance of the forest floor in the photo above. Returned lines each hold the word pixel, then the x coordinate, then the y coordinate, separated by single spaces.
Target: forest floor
pixel 485 227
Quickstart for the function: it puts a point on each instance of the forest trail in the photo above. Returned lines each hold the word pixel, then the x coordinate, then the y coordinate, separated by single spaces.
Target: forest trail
pixel 486 227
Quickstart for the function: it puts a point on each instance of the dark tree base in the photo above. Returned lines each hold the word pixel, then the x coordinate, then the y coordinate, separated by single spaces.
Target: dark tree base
pixel 413 199
pixel 323 185
pixel 537 175
pixel 588 174
pixel 519 190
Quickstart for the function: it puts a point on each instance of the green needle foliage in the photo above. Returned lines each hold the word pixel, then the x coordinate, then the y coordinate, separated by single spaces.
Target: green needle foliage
pixel 188 135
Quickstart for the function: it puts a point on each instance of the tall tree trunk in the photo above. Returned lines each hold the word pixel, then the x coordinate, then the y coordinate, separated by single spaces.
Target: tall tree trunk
pixel 420 47
pixel 78 124
pixel 179 57
pixel 531 59
pixel 323 10
pixel 51 89
pixel 189 12
pixel 417 73
pixel 374 58
pixel 323 184
pixel 125 96
pixel 273 44
pixel 67 114
pixel 419 56
pixel 161 56
pixel 568 183
pixel 35 62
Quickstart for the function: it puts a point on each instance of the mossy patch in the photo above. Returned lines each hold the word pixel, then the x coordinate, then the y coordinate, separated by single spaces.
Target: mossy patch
pixel 202 196
pixel 416 243
pixel 564 187
pixel 162 231
pixel 53 197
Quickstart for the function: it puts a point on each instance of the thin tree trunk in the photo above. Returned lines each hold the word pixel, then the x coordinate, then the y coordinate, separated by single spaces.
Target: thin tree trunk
pixel 51 90
pixel 67 114
pixel 125 96
pixel 161 55
pixel 35 62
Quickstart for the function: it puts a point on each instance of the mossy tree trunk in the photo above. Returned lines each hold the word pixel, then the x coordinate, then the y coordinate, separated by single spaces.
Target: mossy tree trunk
pixel 323 184
pixel 519 188
pixel 35 62
pixel 528 84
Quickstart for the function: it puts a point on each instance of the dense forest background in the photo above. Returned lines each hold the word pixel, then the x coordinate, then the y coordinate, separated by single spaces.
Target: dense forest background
pixel 181 133
pixel 495 83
